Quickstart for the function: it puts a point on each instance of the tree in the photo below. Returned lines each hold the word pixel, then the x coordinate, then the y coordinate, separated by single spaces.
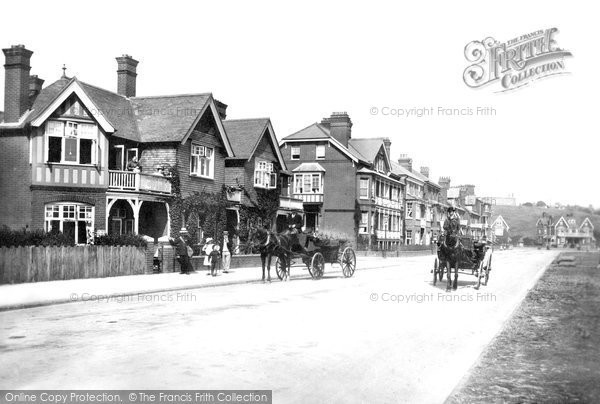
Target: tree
pixel 541 204
pixel 528 204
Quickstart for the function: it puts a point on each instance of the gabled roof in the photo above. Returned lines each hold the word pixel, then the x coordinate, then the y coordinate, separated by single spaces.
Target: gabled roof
pixel 246 134
pixel 402 171
pixel 587 220
pixel 563 220
pixel 309 168
pixel 168 118
pixel 141 119
pixel 317 132
pixel 501 220
pixel 367 147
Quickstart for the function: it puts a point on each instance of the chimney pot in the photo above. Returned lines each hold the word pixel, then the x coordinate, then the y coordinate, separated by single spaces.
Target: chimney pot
pixel 425 171
pixel 405 162
pixel 126 75
pixel 35 86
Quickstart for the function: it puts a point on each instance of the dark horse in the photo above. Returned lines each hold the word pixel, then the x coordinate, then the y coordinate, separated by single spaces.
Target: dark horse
pixel 271 244
pixel 452 251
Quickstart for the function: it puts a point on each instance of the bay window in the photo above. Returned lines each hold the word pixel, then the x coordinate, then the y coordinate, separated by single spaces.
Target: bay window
pixel 364 188
pixel 308 183
pixel 202 161
pixel 75 220
pixel 409 210
pixel 264 175
pixel 69 142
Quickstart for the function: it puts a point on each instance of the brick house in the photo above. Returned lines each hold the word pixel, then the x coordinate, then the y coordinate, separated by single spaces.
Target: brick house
pixel 80 159
pixel 424 214
pixel 257 167
pixel 565 231
pixel 347 184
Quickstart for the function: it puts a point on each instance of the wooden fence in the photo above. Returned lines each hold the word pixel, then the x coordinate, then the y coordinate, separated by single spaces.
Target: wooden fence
pixel 39 264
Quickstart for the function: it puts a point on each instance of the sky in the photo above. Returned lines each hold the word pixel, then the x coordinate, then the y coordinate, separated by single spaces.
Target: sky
pixel 298 62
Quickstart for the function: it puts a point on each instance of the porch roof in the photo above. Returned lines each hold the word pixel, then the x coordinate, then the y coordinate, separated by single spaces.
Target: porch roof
pixel 309 167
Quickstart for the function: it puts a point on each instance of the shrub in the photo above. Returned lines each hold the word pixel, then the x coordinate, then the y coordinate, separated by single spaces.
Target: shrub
pixel 24 237
pixel 121 239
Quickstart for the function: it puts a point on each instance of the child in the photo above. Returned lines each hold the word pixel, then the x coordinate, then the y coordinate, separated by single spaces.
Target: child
pixel 214 257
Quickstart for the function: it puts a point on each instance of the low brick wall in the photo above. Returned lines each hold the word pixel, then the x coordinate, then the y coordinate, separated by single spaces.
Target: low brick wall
pixel 237 261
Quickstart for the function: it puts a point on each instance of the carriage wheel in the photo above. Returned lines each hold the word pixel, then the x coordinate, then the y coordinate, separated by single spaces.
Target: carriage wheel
pixel 348 262
pixel 280 267
pixel 488 268
pixel 440 272
pixel 317 266
pixel 435 271
pixel 479 275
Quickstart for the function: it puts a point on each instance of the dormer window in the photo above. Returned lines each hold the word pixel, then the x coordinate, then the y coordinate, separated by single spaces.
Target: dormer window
pixel 380 165
pixel 71 142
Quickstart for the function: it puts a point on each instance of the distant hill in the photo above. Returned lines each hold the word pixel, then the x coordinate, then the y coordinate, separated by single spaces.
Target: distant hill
pixel 522 219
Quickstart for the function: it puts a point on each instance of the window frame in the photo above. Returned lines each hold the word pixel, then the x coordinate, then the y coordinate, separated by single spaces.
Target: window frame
pixel 80 133
pixel 292 148
pixel 72 212
pixel 201 158
pixel 308 179
pixel 360 188
pixel 265 176
pixel 317 148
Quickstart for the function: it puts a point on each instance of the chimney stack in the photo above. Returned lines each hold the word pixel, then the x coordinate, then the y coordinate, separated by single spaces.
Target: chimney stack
pixel 221 109
pixel 405 162
pixel 340 127
pixel 425 171
pixel 16 82
pixel 35 86
pixel 126 75
pixel 388 145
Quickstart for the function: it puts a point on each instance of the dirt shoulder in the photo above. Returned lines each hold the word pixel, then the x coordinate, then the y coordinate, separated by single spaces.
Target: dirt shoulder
pixel 549 350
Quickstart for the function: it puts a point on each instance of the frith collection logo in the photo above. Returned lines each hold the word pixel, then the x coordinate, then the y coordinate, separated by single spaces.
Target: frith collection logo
pixel 515 63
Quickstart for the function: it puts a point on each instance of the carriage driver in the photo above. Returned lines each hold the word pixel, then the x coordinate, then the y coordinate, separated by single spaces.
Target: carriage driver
pixel 452 224
pixel 295 223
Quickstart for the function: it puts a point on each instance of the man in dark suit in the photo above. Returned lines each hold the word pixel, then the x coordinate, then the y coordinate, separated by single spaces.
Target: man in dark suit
pixel 181 248
pixel 295 223
pixel 226 249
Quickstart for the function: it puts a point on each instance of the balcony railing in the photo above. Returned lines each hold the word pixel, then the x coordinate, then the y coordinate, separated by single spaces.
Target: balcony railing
pixel 286 202
pixel 310 198
pixel 388 235
pixel 138 182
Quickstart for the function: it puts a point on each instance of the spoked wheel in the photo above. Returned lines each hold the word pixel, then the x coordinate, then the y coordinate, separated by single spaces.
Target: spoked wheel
pixel 479 275
pixel 436 270
pixel 488 268
pixel 280 267
pixel 317 266
pixel 348 262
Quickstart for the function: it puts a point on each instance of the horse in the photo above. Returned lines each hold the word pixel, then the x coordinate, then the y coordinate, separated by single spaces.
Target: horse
pixel 271 244
pixel 452 251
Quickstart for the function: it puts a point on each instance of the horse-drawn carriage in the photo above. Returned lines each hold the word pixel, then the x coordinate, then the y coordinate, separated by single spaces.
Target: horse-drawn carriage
pixel 464 255
pixel 301 250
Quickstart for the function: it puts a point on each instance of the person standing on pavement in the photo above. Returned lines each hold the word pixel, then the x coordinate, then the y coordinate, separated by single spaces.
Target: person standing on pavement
pixel 181 248
pixel 207 249
pixel 226 248
pixel 215 258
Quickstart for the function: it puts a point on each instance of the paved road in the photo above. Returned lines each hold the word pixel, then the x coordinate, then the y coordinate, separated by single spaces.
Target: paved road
pixel 333 340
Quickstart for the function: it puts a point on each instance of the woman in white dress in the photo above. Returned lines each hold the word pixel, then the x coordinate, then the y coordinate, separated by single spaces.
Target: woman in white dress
pixel 208 247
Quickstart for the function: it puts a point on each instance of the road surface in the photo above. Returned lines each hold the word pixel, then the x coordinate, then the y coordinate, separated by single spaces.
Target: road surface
pixel 385 335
